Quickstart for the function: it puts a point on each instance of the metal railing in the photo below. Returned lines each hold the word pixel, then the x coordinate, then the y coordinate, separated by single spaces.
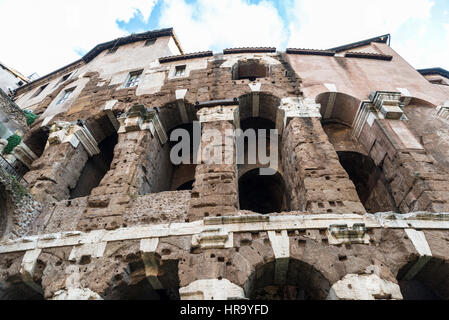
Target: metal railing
pixel 5 165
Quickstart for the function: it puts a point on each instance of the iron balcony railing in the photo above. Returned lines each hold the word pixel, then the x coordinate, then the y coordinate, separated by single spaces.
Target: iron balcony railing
pixel 5 165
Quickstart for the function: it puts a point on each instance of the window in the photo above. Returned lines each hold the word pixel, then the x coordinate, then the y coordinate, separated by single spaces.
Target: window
pixel 150 42
pixel 66 95
pixel 65 77
pixel 39 91
pixel 180 71
pixel 133 79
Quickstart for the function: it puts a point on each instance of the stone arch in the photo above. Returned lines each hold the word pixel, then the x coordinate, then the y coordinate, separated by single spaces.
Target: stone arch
pixel 301 282
pixel 263 193
pixel 259 105
pixel 19 291
pixel 177 113
pixel 183 175
pixel 249 69
pixel 340 136
pixel 37 139
pixel 338 107
pixel 429 283
pixel 370 182
pixel 103 128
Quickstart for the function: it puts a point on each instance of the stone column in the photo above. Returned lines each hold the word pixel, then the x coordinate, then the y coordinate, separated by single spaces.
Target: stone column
pixel 317 182
pixel 58 169
pixel 215 192
pixel 138 137
pixel 416 180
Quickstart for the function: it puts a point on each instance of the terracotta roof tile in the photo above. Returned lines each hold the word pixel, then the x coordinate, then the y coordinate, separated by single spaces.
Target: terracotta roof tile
pixel 186 56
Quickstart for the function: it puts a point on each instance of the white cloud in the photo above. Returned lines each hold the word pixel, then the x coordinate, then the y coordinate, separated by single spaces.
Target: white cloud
pixel 42 35
pixel 329 23
pixel 426 51
pixel 226 23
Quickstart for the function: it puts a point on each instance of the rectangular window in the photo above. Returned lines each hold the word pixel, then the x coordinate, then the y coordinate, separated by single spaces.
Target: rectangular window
pixel 66 95
pixel 150 42
pixel 133 79
pixel 39 91
pixel 67 76
pixel 63 79
pixel 180 71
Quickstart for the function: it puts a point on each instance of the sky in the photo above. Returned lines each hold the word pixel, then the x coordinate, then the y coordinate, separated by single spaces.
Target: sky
pixel 44 35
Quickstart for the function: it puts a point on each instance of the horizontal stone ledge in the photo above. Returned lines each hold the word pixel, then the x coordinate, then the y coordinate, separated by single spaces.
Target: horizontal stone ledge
pixel 232 224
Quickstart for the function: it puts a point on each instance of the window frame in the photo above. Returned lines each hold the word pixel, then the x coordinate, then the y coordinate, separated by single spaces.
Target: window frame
pixel 40 90
pixel 180 71
pixel 66 95
pixel 130 82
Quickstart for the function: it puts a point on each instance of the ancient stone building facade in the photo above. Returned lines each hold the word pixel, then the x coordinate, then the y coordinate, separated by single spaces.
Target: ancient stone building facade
pixel 357 208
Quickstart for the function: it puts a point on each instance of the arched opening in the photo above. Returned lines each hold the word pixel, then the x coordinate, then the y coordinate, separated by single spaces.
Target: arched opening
pixel 338 107
pixel 142 290
pixel 340 136
pixel 104 132
pixel 183 177
pixel 132 283
pixel 430 283
pixel 253 157
pixel 95 168
pixel 36 140
pixel 249 69
pixel 369 180
pixel 262 193
pixel 302 282
pixel 19 291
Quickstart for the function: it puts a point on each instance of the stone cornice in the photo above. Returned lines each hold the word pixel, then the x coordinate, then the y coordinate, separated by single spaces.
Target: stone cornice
pixel 213 232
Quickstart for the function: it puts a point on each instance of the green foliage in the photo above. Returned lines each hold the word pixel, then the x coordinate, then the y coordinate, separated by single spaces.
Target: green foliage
pixel 31 117
pixel 13 141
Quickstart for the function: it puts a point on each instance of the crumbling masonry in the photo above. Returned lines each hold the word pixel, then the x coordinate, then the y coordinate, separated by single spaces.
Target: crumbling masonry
pixel 358 207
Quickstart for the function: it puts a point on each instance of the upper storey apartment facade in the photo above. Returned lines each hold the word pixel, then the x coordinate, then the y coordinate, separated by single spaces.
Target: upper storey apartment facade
pixel 359 191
